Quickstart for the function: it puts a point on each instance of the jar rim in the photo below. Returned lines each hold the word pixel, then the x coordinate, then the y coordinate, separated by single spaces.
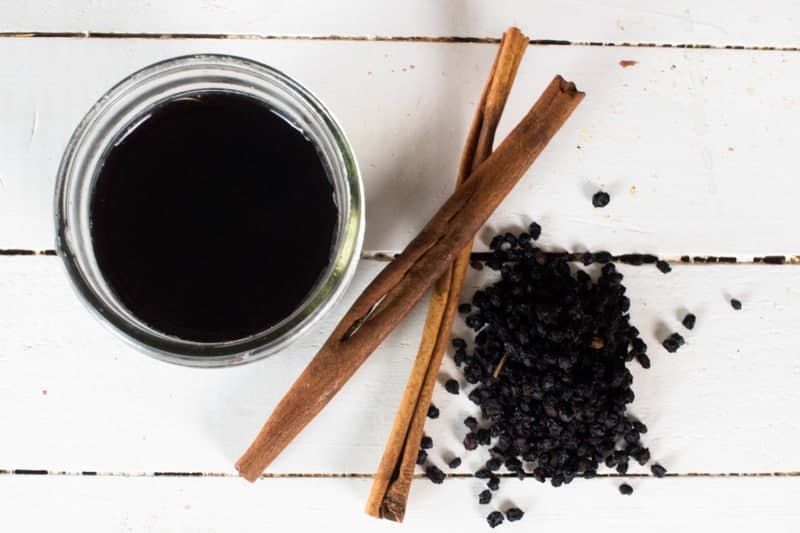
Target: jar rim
pixel 117 111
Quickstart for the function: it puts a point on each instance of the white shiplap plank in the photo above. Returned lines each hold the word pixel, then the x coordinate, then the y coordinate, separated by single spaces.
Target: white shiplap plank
pixel 696 146
pixel 75 398
pixel 649 21
pixel 217 505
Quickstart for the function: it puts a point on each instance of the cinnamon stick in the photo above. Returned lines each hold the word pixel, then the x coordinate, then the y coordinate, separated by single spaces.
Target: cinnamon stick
pixel 399 286
pixel 392 481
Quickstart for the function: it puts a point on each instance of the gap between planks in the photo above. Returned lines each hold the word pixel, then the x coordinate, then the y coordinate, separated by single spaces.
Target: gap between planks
pixel 573 256
pixel 360 475
pixel 378 38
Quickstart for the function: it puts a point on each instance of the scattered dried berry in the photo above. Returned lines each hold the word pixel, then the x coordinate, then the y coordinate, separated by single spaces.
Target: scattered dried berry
pixel 483 473
pixel 663 266
pixel 470 441
pixel 426 443
pixel 643 360
pixel 602 257
pixel 625 489
pixel 459 343
pixel 451 386
pixel 736 304
pixel 673 342
pixel 534 230
pixel 658 470
pixel 422 456
pixel 471 423
pixel 434 474
pixel 600 199
pixel 464 308
pixel 455 462
pixel 484 437
pixel 514 514
pixel 485 497
pixel 689 320
pixel 494 519
pixel 494 464
pixel 493 483
pixel 433 411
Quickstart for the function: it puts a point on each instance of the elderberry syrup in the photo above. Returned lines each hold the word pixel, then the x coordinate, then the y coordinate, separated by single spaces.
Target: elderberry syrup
pixel 212 217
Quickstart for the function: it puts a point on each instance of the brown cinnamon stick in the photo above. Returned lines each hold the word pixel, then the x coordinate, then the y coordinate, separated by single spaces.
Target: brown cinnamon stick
pixel 392 481
pixel 399 286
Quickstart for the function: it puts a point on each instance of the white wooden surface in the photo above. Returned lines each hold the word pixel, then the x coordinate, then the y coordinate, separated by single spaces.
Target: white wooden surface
pixel 706 136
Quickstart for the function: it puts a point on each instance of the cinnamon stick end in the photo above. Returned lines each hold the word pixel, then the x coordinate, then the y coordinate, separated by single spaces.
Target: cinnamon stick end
pixel 569 87
pixel 246 470
pixel 392 511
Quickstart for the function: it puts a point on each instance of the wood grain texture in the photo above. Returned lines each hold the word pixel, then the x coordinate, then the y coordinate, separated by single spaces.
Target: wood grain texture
pixel 719 22
pixel 723 403
pixel 696 147
pixel 217 505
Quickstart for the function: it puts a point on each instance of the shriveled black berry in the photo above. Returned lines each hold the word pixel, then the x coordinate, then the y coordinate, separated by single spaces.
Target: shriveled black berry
pixel 625 489
pixel 485 497
pixel 534 230
pixel 632 259
pixel 736 304
pixel 470 441
pixel 493 483
pixel 494 519
pixel 688 321
pixel 484 437
pixel 451 386
pixel 641 455
pixel 455 462
pixel 514 514
pixel 600 199
pixel 426 443
pixel 471 423
pixel 494 464
pixel 422 456
pixel 673 342
pixel 459 343
pixel 663 266
pixel 464 308
pixel 602 257
pixel 433 411
pixel 658 470
pixel 643 360
pixel 434 474
pixel 483 473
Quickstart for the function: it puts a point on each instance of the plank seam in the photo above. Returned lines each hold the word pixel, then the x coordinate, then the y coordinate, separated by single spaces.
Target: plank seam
pixel 358 475
pixel 386 256
pixel 379 38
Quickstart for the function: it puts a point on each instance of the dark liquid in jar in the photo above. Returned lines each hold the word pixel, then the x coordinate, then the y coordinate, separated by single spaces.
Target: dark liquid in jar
pixel 213 218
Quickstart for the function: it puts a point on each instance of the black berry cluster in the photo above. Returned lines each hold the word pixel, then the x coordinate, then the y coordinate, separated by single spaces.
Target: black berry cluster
pixel 549 368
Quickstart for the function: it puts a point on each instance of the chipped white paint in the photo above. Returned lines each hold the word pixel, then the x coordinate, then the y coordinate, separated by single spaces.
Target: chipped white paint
pixel 719 22
pixel 708 406
pixel 221 505
pixel 695 146
pixel 710 163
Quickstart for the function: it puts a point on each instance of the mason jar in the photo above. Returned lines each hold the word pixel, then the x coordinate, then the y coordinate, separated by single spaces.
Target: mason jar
pixel 117 112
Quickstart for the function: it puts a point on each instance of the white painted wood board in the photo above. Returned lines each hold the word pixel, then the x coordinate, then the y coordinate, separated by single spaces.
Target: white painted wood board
pixel 219 505
pixel 696 146
pixel 75 398
pixel 718 22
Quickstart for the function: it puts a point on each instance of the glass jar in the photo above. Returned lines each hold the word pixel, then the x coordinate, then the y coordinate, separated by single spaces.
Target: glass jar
pixel 120 110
